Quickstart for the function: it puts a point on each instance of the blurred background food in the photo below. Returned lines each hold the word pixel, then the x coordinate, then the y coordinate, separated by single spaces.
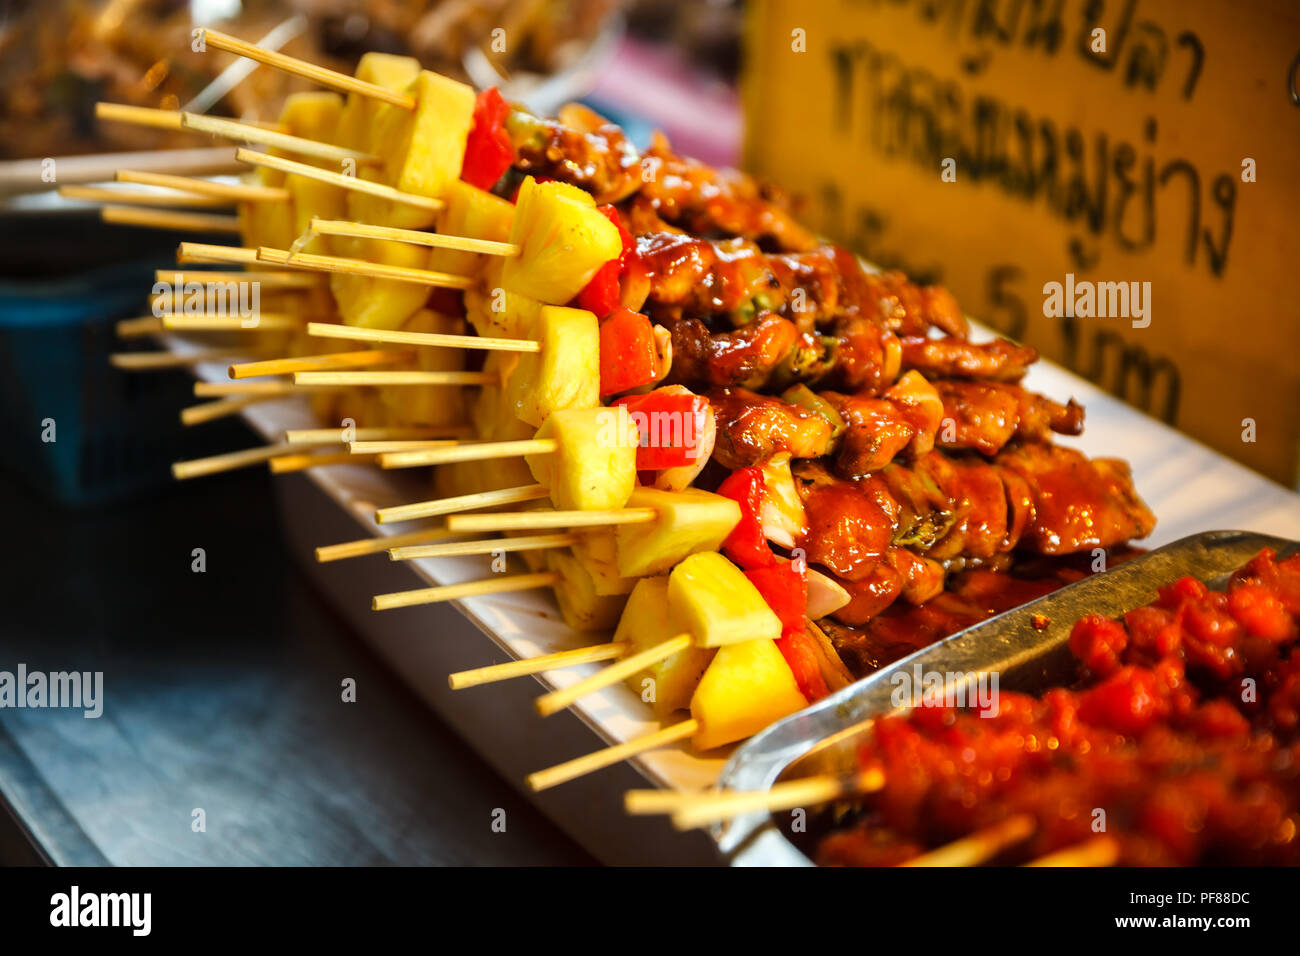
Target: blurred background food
pixel 58 57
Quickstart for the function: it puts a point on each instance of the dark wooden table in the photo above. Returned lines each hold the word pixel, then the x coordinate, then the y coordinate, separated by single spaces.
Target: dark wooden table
pixel 222 692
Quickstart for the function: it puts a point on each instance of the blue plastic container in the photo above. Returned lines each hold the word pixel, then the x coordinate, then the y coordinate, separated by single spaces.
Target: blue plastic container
pixel 115 432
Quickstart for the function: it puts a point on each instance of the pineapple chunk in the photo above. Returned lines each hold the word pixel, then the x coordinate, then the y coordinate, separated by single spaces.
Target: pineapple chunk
pixel 312 199
pixel 493 417
pixel 267 224
pixel 563 240
pixel 475 214
pixel 455 479
pixel 595 549
pixel 582 607
pixel 690 520
pixel 643 625
pixel 434 405
pixel 358 129
pixel 378 303
pixel 313 116
pixel 537 561
pixel 565 373
pixel 495 312
pixel 381 303
pixel 594 465
pixel 424 148
pixel 747 688
pixel 382 69
pixel 712 600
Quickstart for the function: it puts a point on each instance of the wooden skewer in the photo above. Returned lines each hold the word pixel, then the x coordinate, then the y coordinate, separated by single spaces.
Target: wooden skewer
pixel 532 542
pixel 138 115
pixel 310 71
pixel 228 192
pixel 134 328
pixel 167 219
pixel 283 464
pixel 195 252
pixel 380 378
pixel 479 451
pixel 560 773
pixel 329 360
pixel 435 339
pixel 535 665
pixel 154 118
pixel 342 435
pixel 225 389
pixel 227 462
pixel 260 322
pixel 393 445
pixel 209 411
pixel 358 267
pixel 417 237
pixel 353 183
pixel 205 252
pixel 249 133
pixel 981 846
pixel 157 361
pixel 539 520
pixel 1099 851
pixel 267 280
pixel 715 807
pixel 557 700
pixel 639 803
pixel 175 302
pixel 500 584
pixel 104 194
pixel 446 506
pixel 357 549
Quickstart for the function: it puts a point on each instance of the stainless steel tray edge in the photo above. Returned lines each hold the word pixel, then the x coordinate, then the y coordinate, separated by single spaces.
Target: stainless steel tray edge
pixel 1022 647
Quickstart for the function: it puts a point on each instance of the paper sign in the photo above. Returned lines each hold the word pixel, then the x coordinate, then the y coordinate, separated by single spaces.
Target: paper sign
pixel 1116 183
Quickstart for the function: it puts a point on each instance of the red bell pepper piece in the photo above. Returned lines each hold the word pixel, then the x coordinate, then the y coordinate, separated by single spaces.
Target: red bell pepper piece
pixel 670 424
pixel 798 650
pixel 488 150
pixel 601 295
pixel 746 545
pixel 785 589
pixel 627 352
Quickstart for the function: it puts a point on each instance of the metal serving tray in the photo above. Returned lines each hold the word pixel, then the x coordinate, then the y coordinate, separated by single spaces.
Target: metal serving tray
pixel 1026 647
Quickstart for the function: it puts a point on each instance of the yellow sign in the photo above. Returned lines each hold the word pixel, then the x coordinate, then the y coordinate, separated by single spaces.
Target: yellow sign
pixel 1116 182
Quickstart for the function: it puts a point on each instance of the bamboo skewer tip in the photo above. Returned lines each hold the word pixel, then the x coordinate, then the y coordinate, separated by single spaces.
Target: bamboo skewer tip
pixel 588 763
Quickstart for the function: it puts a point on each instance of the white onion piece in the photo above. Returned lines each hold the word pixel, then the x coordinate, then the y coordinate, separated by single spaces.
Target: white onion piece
pixel 825 596
pixel 782 515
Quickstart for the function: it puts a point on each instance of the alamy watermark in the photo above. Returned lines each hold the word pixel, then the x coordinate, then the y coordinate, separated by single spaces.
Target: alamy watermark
pixel 651 429
pixel 77 690
pixel 922 688
pixel 1086 299
pixel 236 298
pixel 133 911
